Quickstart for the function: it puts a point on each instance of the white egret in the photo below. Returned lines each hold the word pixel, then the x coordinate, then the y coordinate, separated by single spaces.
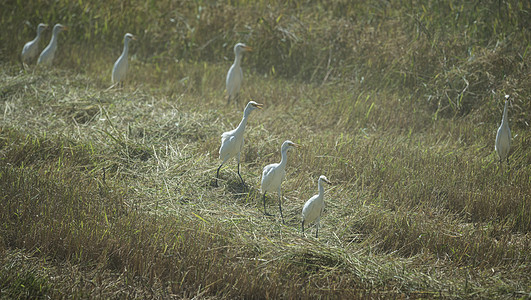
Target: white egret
pixel 48 53
pixel 232 141
pixel 31 48
pixel 120 66
pixel 274 174
pixel 313 208
pixel 503 136
pixel 235 74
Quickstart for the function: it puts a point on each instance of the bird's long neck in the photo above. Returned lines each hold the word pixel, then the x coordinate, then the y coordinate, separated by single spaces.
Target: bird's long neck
pixel 284 159
pixel 321 188
pixel 504 118
pixel 38 37
pixel 126 48
pixel 243 122
pixel 238 59
pixel 53 42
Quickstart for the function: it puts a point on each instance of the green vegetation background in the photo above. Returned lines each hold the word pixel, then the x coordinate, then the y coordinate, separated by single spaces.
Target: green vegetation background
pixel 108 193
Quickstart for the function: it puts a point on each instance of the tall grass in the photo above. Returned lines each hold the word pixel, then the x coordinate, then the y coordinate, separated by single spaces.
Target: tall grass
pixel 108 193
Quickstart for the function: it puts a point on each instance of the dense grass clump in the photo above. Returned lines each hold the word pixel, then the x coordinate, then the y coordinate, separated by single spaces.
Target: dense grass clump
pixel 109 192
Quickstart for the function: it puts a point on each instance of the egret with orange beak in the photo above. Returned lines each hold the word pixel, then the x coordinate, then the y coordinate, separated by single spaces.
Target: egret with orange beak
pixel 47 55
pixel 313 208
pixel 235 74
pixel 274 174
pixel 119 71
pixel 232 141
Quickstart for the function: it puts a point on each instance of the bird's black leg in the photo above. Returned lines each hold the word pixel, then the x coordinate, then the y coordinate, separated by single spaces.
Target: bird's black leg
pixel 317 231
pixel 302 227
pixel 265 211
pixel 280 207
pixel 228 100
pixel 217 175
pixel 243 183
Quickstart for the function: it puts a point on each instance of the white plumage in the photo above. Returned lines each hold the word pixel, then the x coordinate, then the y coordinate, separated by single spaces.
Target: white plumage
pixel 313 208
pixel 274 174
pixel 48 53
pixel 119 71
pixel 31 48
pixel 503 136
pixel 235 74
pixel 232 141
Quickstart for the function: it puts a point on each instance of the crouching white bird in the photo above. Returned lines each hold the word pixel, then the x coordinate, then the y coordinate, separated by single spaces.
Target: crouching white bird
pixel 48 53
pixel 503 136
pixel 31 48
pixel 119 71
pixel 232 141
pixel 235 74
pixel 313 208
pixel 274 174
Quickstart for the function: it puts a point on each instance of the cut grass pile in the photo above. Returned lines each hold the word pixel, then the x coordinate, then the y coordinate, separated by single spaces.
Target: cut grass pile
pixel 109 193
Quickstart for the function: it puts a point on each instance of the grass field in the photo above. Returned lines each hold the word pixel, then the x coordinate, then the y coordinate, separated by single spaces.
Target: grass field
pixel 110 194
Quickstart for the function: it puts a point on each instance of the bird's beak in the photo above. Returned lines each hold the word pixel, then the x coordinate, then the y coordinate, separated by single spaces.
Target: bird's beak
pixel 296 145
pixel 247 48
pixel 65 28
pixel 258 105
pixel 134 38
pixel 327 182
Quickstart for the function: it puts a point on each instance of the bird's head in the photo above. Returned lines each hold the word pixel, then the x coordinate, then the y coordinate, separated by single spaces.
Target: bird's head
pixel 42 27
pixel 507 100
pixel 254 105
pixel 288 145
pixel 241 47
pixel 324 179
pixel 128 37
pixel 59 27
pixel 251 106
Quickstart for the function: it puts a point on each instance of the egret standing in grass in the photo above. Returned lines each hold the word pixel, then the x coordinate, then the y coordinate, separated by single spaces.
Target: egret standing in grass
pixel 235 74
pixel 274 174
pixel 48 53
pixel 503 136
pixel 313 208
pixel 119 71
pixel 232 141
pixel 31 48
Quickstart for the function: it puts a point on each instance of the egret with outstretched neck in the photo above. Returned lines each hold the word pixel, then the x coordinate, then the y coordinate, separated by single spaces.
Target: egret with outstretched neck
pixel 232 141
pixel 274 174
pixel 119 71
pixel 503 136
pixel 313 208
pixel 48 54
pixel 31 48
pixel 235 74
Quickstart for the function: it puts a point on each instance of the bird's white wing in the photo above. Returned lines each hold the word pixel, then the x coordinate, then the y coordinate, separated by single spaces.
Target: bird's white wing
pixel 272 177
pixel 503 142
pixel 47 55
pixel 312 209
pixel 226 135
pixel 234 80
pixel 120 69
pixel 498 139
pixel 29 51
pixel 230 146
